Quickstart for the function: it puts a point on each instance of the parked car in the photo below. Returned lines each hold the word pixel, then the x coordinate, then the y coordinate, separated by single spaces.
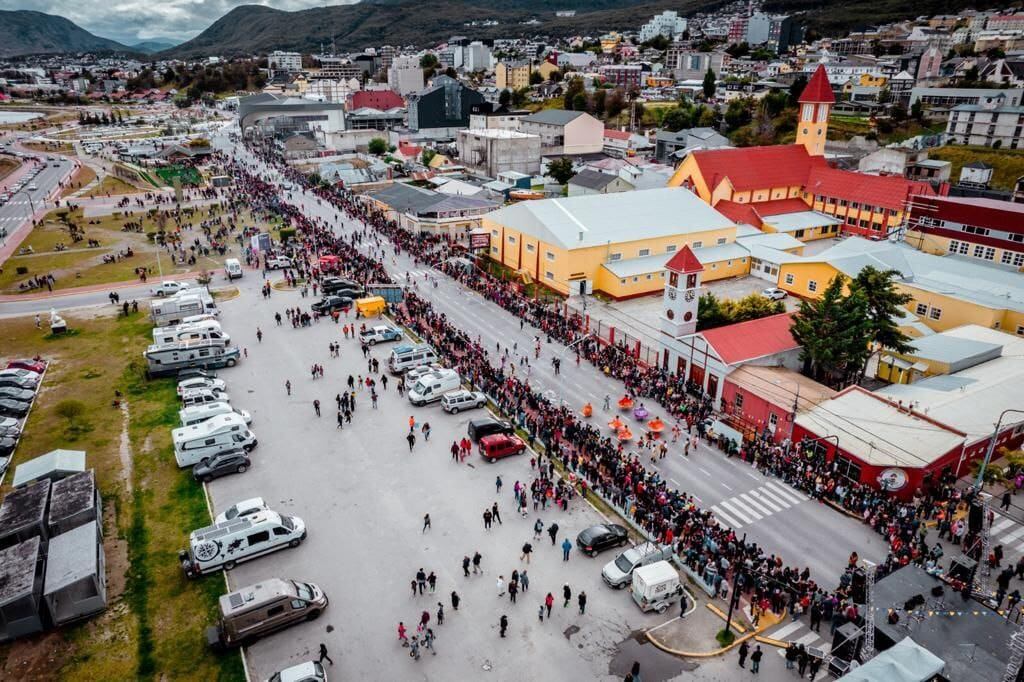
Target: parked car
pixel 241 509
pixel 774 293
pixel 454 402
pixel 500 445
pixel 21 372
pixel 229 462
pixel 329 304
pixel 618 572
pixel 169 288
pixel 200 382
pixel 9 425
pixel 193 372
pixel 333 284
pixel 603 536
pixel 7 444
pixel 478 428
pixel 15 393
pixel 310 671
pixel 379 334
pixel 13 408
pixel 37 366
pixel 414 374
pixel 18 382
pixel 277 262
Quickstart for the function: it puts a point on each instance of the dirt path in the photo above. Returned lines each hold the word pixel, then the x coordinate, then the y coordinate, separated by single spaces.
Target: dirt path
pixel 124 449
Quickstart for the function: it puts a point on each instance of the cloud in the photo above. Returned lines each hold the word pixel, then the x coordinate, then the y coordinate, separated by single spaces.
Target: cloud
pixel 130 21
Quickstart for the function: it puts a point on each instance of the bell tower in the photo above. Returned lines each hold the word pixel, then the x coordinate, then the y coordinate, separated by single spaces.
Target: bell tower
pixel 682 291
pixel 815 104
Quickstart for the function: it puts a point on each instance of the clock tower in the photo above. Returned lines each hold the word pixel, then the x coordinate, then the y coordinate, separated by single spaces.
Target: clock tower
pixel 682 291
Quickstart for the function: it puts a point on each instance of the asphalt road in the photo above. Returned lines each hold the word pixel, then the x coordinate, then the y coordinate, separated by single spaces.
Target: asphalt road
pixel 18 208
pixel 783 521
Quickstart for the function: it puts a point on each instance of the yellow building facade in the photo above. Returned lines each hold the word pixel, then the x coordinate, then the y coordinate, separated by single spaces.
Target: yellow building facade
pixel 512 76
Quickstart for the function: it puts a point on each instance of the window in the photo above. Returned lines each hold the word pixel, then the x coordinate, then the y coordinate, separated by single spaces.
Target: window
pixel 622 281
pixel 511 239
pixel 644 252
pixel 854 204
pixel 721 240
pixel 494 233
pixel 549 275
pixel 257 538
pixel 1020 330
pixel 649 276
pixel 971 229
pixel 697 245
pixel 1019 238
pixel 531 248
pixel 615 256
pixel 990 253
pixel 739 401
pixel 281 530
pixel 275 611
pixel 812 286
pixel 714 266
pixel 636 279
pixel 773 419
pixel 921 309
pixel 728 262
pixel 847 468
pixel 494 249
pixel 935 313
pixel 799 234
pixel 789 278
pixel 550 256
pixel 1011 258
pixel 671 248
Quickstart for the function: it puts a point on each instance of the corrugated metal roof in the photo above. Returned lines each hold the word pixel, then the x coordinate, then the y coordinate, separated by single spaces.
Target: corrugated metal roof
pixel 736 343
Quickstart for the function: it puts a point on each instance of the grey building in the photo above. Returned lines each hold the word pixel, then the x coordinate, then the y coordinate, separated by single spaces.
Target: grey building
pixel 595 182
pixel 445 103
pixel 670 147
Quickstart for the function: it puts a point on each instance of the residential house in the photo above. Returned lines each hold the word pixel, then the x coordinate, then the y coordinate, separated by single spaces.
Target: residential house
pixel 670 146
pixel 985 229
pixel 565 132
pixel 594 182
pixel 445 103
pixel 495 150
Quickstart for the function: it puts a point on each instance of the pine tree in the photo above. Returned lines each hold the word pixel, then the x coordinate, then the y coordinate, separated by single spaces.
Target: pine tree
pixel 884 303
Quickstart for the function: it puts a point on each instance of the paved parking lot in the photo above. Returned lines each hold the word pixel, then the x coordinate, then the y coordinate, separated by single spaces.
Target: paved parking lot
pixel 363 497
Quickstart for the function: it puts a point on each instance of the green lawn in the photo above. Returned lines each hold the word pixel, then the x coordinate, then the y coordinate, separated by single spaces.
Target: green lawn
pixel 1007 164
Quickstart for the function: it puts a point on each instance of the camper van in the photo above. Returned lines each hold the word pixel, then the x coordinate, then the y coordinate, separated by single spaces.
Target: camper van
pixel 197 414
pixel 174 309
pixel 224 545
pixel 430 387
pixel 257 610
pixel 207 354
pixel 408 356
pixel 193 444
pixel 232 268
pixel 207 329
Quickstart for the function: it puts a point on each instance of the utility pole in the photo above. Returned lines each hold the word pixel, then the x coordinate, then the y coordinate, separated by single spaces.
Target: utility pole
pixel 734 595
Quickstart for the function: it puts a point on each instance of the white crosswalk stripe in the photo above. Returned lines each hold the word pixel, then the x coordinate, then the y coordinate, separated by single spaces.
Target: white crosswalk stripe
pixel 1009 533
pixel 754 505
pixel 799 632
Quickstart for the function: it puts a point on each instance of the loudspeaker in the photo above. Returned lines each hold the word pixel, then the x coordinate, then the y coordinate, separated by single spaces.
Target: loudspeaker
pixel 975 516
pixel 858 587
pixel 962 568
pixel 846 641
pixel 914 602
pixel 938 591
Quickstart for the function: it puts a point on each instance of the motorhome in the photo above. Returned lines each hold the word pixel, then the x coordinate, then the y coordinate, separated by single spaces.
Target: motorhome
pixel 197 414
pixel 208 354
pixel 407 356
pixel 175 309
pixel 193 444
pixel 256 610
pixel 207 329
pixel 225 545
pixel 430 387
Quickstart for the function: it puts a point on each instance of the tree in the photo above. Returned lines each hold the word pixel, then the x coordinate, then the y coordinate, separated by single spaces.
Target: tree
pixel 709 84
pixel 377 146
pixel 572 88
pixel 536 78
pixel 504 97
pixel 796 89
pixel 676 119
pixel 917 111
pixel 428 61
pixel 885 305
pixel 427 156
pixel 709 312
pixel 561 170
pixel 597 102
pixel 614 103
pixel 579 101
pixel 834 334
pixel 737 114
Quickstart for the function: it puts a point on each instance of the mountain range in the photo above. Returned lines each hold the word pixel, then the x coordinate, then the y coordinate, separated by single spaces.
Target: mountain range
pixel 28 32
pixel 153 46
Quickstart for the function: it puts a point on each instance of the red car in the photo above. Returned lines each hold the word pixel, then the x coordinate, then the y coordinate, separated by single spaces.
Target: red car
pixel 37 366
pixel 499 445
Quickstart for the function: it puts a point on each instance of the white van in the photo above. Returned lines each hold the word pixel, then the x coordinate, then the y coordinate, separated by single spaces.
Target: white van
pixel 656 586
pixel 202 396
pixel 232 268
pixel 225 545
pixel 206 330
pixel 193 444
pixel 430 387
pixel 408 356
pixel 197 414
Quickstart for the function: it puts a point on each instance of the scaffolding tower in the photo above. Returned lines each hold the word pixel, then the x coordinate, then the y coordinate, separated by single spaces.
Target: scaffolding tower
pixel 1016 656
pixel 867 651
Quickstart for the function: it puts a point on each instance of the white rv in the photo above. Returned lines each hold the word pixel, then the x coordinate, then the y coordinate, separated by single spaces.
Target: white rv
pixel 225 545
pixel 197 414
pixel 172 358
pixel 207 329
pixel 193 444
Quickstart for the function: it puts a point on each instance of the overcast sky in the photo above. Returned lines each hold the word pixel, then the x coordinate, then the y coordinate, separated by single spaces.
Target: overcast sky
pixel 131 21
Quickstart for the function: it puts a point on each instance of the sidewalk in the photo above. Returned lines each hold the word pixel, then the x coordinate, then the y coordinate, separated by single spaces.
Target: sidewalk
pixel 92 288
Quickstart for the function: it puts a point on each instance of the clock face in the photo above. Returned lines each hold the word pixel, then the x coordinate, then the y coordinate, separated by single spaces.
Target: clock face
pixel 670 314
pixel 689 295
pixel 672 293
pixel 687 316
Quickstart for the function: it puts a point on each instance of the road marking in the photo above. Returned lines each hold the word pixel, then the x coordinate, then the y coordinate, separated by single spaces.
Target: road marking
pixel 675 481
pixel 790 495
pixel 749 499
pixel 1009 537
pixel 733 508
pixel 756 478
pixel 808 638
pixel 786 629
pixel 705 472
pixel 1005 523
pixel 763 499
pixel 769 494
pixel 726 486
pixel 725 518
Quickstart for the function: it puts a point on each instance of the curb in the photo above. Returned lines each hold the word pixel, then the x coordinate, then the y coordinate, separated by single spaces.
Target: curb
pixel 721 614
pixel 755 634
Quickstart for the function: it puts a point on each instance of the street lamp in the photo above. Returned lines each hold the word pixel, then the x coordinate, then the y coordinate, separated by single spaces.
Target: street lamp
pixel 978 484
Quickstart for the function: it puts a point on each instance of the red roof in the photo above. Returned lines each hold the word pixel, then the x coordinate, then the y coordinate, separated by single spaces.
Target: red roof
pixel 409 150
pixel 738 343
pixel 616 134
pixel 887 191
pixel 1004 216
pixel 741 214
pixel 818 89
pixel 684 261
pixel 377 99
pixel 781 206
pixel 750 168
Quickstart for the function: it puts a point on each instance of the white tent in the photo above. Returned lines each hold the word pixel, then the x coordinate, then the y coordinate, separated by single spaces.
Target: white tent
pixel 907 661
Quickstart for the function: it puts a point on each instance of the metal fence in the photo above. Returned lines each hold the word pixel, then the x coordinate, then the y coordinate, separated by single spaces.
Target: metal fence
pixel 608 334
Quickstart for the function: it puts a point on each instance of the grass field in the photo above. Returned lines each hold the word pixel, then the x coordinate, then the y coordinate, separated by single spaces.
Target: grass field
pixel 152 628
pixel 1007 164
pixel 111 185
pixel 82 177
pixel 65 148
pixel 188 175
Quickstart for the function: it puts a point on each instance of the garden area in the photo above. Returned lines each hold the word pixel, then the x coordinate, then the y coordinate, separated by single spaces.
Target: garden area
pixel 153 626
pixel 187 175
pixel 112 186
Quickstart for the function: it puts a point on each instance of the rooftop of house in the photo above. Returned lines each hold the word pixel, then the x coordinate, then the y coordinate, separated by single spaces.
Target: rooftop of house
pixel 745 341
pixel 558 117
pixel 781 386
pixel 592 179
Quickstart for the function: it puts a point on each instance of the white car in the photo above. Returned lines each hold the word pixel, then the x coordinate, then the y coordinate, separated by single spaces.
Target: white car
pixel 241 509
pixel 379 334
pixel 200 382
pixel 774 294
pixel 169 288
pixel 276 262
pixel 414 374
pixel 310 671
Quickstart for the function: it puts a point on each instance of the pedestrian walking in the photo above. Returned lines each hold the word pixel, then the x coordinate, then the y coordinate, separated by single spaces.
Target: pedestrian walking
pixel 683 604
pixel 495 513
pixel 421 579
pixel 566 547
pixel 428 641
pixel 424 619
pixel 259 339
pixel 411 439
pixel 755 659
pixel 538 528
pixel 323 654
pixel 1005 504
pixel 513 590
pixel 815 665
pixel 426 431
pixel 527 551
pixel 487 519
pixel 288 386
pixel 413 586
pixel 540 612
pixel 567 594
pixel 744 650
pixel 426 523
pixel 503 624
pixel 476 563
pixel 432 582
pixel 553 533
pixel 401 634
pixel 501 585
pixel 316 407
pixel 497 485
pixel 414 648
pixel 465 566
pixel 581 599
pixel 455 600
pixel 549 601
pixel 440 613
pixel 524 581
